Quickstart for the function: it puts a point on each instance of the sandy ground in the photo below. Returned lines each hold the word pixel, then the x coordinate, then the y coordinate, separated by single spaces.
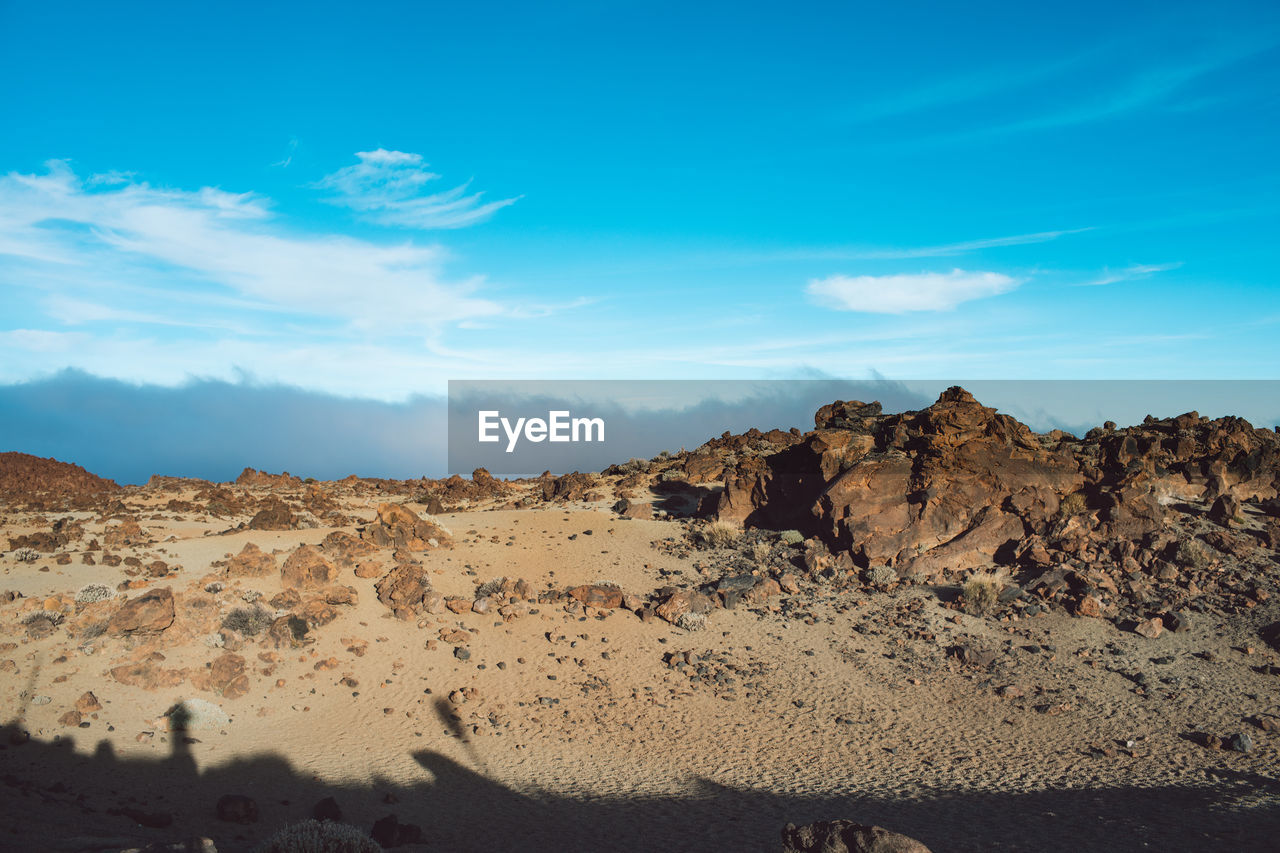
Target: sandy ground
pixel 580 737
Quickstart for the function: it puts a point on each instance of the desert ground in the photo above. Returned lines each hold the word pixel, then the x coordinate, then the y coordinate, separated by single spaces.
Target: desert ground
pixel 936 622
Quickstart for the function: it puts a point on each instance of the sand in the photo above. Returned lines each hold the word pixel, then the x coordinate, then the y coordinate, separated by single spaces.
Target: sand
pixel 578 736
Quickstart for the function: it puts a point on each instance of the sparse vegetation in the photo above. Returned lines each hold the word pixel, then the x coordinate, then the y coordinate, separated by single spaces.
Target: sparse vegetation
pixel 671 474
pixel 489 587
pixel 761 552
pixel 633 466
pixel 26 555
pixel 791 537
pixel 247 621
pixel 982 592
pixel 53 617
pixel 90 593
pixel 718 534
pixel 692 621
pixel 1072 504
pixel 880 576
pixel 313 836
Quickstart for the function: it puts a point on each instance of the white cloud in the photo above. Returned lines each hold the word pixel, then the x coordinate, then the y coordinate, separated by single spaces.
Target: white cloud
pixel 899 294
pixel 101 242
pixel 1129 273
pixel 388 187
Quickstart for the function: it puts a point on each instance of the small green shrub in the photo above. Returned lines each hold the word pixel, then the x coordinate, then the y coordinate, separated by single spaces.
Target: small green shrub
pixel 791 537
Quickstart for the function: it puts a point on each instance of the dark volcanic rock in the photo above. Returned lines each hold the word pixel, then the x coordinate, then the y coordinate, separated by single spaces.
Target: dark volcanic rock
pixel 845 836
pixel 390 832
pixel 237 808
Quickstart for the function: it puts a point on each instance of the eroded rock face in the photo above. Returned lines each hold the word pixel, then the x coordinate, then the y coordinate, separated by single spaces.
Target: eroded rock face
pixel 274 515
pixel 846 836
pixel 407 591
pixel 149 613
pixel 957 487
pixel 253 477
pixel 251 562
pixel 307 568
pixel 400 527
pixel 574 486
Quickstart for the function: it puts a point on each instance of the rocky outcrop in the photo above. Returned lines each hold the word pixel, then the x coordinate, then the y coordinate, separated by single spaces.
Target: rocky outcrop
pixel 407 591
pixel 307 568
pixel 251 562
pixel 397 526
pixel 957 485
pixel 253 477
pixel 41 482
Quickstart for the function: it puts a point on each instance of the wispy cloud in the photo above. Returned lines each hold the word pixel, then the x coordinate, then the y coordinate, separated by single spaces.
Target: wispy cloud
pixel 943 250
pixel 899 294
pixel 69 235
pixel 1086 89
pixel 388 187
pixel 288 157
pixel 1129 273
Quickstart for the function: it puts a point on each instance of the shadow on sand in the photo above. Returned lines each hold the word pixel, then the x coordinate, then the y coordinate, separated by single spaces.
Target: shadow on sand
pixel 58 799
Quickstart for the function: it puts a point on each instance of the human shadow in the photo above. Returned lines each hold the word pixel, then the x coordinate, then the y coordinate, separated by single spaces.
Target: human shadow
pixel 57 798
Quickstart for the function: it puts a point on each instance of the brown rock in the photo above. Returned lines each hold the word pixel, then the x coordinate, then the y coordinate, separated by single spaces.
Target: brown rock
pixel 368 569
pixel 406 590
pixel 399 527
pixel 681 605
pixel 88 704
pixel 597 595
pixel 275 515
pixel 1225 510
pixel 72 718
pixel 1150 628
pixel 306 568
pixel 149 613
pixel 147 674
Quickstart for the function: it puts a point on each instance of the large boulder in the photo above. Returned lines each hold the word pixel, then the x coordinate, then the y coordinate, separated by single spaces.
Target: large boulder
pixel 399 527
pixel 251 562
pixel 149 613
pixel 307 568
pixel 407 591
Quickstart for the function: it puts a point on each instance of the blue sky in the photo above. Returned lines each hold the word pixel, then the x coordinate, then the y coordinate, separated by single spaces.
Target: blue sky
pixel 370 200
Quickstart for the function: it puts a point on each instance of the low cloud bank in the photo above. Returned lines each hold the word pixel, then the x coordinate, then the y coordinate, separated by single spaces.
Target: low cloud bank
pixel 213 429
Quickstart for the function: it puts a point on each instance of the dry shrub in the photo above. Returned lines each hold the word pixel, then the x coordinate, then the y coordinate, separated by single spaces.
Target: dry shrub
pixel 982 592
pixel 719 534
pixel 313 836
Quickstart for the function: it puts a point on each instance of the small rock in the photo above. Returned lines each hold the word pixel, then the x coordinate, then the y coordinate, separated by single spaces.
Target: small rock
pixel 237 808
